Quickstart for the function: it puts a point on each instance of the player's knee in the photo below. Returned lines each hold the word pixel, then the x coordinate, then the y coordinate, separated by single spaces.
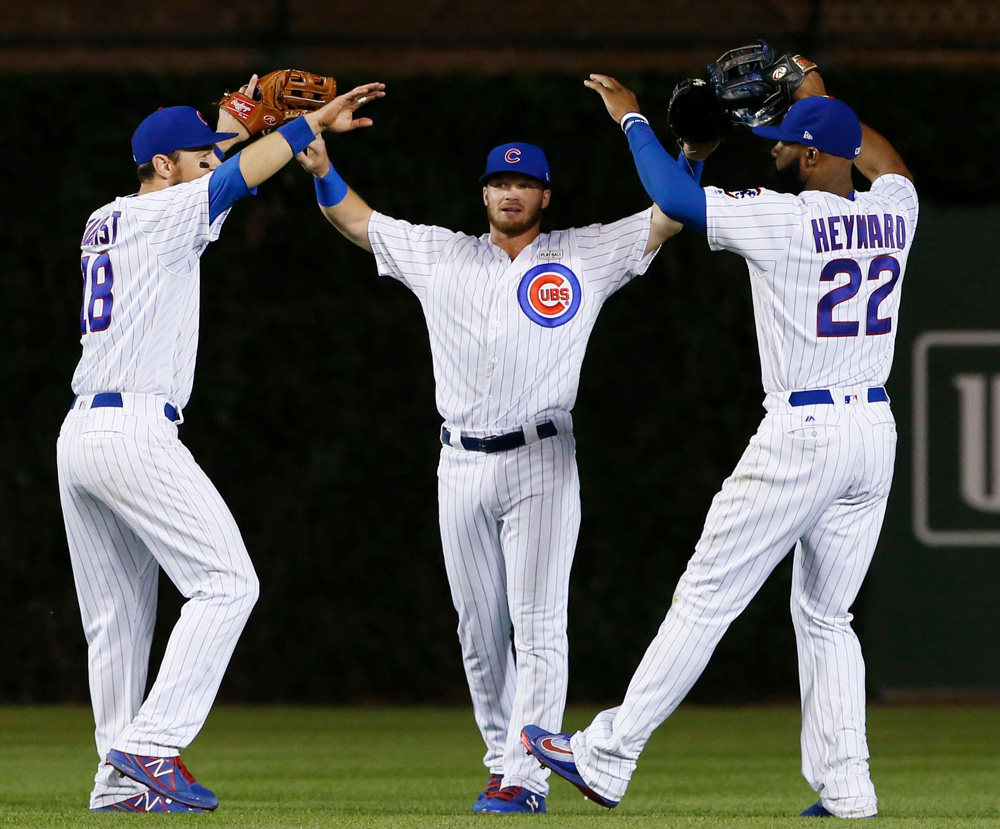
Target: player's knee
pixel 242 587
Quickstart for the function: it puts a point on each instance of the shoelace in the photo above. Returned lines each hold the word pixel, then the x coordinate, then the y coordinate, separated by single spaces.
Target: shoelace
pixel 493 787
pixel 509 793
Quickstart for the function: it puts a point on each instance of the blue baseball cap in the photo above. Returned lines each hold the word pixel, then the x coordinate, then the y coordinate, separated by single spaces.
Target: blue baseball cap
pixel 173 128
pixel 526 159
pixel 828 124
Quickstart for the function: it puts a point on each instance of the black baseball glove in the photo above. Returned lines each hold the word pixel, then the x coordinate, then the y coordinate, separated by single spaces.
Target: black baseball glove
pixel 754 85
pixel 696 114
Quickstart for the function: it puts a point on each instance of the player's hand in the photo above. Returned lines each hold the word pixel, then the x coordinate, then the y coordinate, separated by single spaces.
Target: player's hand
pixel 698 151
pixel 812 84
pixel 314 158
pixel 338 114
pixel 617 98
pixel 230 123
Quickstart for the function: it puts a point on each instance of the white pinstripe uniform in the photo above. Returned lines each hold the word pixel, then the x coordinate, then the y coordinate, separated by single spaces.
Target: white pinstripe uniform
pixel 507 342
pixel 826 274
pixel 133 497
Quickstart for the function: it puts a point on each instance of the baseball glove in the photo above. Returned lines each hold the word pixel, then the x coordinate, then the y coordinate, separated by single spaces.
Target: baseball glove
pixel 695 113
pixel 755 86
pixel 279 97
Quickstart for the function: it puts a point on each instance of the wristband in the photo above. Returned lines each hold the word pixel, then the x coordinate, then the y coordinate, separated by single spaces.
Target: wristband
pixel 630 118
pixel 331 189
pixel 298 133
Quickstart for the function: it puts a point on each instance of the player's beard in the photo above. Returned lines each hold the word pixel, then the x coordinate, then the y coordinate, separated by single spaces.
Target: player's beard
pixel 790 177
pixel 514 224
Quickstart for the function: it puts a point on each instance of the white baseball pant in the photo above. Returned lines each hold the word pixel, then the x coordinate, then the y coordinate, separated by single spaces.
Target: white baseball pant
pixel 509 523
pixel 134 500
pixel 813 477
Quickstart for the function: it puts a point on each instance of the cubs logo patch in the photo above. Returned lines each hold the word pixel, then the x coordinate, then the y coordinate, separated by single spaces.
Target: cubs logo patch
pixel 549 295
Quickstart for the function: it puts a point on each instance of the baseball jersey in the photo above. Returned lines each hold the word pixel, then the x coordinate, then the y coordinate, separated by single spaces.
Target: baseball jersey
pixel 140 261
pixel 508 337
pixel 826 274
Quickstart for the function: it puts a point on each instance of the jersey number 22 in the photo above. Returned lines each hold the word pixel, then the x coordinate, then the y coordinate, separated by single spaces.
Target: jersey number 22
pixel 826 325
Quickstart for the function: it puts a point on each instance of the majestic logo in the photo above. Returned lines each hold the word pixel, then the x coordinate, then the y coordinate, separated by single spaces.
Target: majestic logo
pixel 549 295
pixel 512 156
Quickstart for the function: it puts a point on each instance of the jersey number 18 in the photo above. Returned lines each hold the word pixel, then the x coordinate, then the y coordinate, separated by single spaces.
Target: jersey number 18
pixel 98 300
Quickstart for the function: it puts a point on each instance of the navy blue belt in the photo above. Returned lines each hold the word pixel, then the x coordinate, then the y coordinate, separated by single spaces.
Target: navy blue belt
pixel 500 443
pixel 815 397
pixel 113 400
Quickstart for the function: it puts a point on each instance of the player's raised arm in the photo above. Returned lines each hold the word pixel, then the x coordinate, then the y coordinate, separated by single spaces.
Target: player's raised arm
pixel 670 188
pixel 263 159
pixel 343 207
pixel 878 157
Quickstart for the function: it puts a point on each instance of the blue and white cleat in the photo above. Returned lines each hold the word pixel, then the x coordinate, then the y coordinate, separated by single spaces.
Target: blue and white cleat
pixel 492 787
pixel 819 810
pixel 512 800
pixel 166 776
pixel 553 752
pixel 149 802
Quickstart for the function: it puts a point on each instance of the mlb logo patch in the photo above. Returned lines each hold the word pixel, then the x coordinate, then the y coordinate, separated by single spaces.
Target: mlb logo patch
pixel 549 295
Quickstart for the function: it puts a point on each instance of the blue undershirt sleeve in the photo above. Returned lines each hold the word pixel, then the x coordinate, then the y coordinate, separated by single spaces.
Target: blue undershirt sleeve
pixel 672 185
pixel 226 187
pixel 690 168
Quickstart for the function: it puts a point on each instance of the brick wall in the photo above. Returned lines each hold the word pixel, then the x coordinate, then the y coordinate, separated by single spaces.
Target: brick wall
pixel 439 36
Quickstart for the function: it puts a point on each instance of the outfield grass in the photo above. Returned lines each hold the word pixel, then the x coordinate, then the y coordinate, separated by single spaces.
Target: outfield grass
pixel 414 768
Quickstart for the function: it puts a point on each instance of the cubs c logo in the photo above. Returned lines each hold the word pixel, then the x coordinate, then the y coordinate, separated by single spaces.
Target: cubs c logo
pixel 549 295
pixel 512 156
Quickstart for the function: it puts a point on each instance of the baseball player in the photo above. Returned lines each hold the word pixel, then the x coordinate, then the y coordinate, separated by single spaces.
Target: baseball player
pixel 509 314
pixel 133 498
pixel 826 267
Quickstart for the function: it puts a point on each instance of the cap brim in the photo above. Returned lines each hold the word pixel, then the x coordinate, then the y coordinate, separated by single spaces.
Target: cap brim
pixel 773 133
pixel 209 139
pixel 487 176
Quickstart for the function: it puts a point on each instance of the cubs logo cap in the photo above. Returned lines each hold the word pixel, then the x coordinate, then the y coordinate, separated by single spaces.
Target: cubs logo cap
pixel 526 159
pixel 827 124
pixel 173 128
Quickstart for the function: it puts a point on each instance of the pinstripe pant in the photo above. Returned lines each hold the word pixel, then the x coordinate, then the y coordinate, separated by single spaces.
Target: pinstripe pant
pixel 134 500
pixel 815 478
pixel 509 524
